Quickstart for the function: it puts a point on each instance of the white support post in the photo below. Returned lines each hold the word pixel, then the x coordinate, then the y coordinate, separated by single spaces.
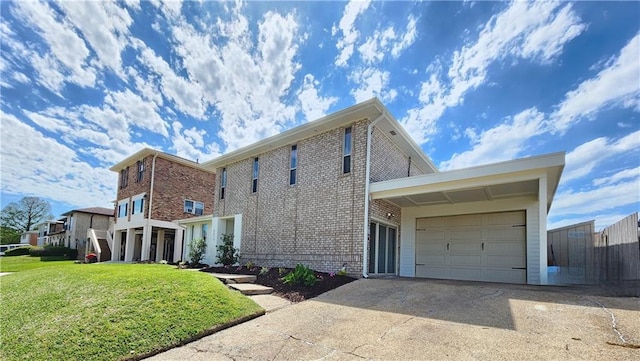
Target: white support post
pixel 160 244
pixel 130 245
pixel 146 243
pixel 177 245
pixel 542 204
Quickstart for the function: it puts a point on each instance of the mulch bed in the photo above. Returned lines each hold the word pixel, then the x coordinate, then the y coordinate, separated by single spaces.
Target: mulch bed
pixel 294 293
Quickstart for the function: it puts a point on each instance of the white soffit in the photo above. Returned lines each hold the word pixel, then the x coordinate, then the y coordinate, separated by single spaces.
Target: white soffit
pixel 516 178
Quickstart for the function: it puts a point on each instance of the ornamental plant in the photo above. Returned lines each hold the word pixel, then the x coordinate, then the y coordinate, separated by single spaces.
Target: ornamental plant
pixel 301 275
pixel 197 250
pixel 227 254
pixel 92 258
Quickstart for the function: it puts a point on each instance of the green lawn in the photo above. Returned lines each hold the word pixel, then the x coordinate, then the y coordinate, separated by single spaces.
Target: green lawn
pixel 109 311
pixel 23 263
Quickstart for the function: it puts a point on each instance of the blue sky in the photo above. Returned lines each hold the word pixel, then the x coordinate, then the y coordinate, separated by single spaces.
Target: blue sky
pixel 86 84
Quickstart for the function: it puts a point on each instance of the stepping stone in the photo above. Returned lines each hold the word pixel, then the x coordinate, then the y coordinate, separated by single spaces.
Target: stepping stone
pixel 230 278
pixel 250 289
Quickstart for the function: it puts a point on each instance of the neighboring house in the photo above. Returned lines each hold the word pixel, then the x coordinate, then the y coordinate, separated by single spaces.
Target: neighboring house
pixel 353 190
pixel 29 237
pixel 77 222
pixel 154 189
pixel 46 230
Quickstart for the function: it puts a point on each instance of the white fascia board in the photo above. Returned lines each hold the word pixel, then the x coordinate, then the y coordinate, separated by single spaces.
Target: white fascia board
pixel 205 218
pixel 147 152
pixel 490 170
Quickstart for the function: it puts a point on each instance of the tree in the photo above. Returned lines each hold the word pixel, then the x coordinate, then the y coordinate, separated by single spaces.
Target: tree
pixel 9 235
pixel 23 215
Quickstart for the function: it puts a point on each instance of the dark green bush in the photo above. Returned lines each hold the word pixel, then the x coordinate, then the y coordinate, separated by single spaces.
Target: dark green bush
pixel 301 274
pixel 54 251
pixel 227 254
pixel 20 251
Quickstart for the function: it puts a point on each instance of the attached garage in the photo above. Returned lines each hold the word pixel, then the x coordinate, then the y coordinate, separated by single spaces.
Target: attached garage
pixel 485 223
pixel 479 247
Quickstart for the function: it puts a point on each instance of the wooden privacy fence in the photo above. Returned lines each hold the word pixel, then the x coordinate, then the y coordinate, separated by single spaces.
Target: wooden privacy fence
pixel 610 257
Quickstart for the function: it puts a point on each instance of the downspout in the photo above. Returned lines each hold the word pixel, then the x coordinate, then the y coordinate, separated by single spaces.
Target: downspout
pixel 153 176
pixel 365 233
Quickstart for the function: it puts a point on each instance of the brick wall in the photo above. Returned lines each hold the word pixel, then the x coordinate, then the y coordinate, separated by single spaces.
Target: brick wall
pixel 174 182
pixel 318 221
pixel 388 161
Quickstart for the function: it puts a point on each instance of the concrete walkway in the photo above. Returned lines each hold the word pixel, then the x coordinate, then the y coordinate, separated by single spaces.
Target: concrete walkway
pixel 402 319
pixel 5 273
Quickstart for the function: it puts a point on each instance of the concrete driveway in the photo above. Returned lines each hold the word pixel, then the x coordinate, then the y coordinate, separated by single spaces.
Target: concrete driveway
pixel 408 319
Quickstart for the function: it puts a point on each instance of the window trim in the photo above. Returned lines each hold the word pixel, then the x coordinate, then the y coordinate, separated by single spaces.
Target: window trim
pixel 223 182
pixel 140 167
pixel 293 165
pixel 256 171
pixel 194 207
pixel 347 151
pixel 124 178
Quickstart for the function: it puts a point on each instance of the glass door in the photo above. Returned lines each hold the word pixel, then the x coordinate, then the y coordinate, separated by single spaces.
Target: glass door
pixel 382 249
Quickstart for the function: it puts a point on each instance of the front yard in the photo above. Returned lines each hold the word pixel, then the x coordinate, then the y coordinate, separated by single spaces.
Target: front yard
pixel 62 311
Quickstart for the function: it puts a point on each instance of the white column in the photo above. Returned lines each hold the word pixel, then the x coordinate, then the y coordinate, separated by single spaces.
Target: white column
pixel 542 204
pixel 130 244
pixel 177 245
pixel 237 232
pixel 146 243
pixel 160 244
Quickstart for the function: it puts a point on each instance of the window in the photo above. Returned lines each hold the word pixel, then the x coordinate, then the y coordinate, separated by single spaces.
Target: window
pixel 293 166
pixel 346 151
pixel 138 206
pixel 140 167
pixel 193 207
pixel 205 230
pixel 123 210
pixel 254 181
pixel 124 178
pixel 223 182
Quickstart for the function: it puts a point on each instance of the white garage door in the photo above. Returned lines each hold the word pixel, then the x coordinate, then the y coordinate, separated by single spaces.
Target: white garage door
pixel 478 247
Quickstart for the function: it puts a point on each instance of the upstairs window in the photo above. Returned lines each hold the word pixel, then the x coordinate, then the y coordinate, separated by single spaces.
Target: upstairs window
pixel 124 178
pixel 140 167
pixel 193 207
pixel 223 182
pixel 254 181
pixel 346 151
pixel 293 165
pixel 138 206
pixel 123 210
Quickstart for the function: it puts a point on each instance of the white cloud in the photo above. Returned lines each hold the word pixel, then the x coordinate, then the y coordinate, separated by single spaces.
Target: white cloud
pixel 137 111
pixel 104 25
pixel 597 200
pixel 499 143
pixel 520 30
pixel 616 84
pixel 30 159
pixel 407 38
pixel 189 144
pixel 618 176
pixel 350 35
pixel 312 105
pixel 372 83
pixel 64 43
pixel 586 157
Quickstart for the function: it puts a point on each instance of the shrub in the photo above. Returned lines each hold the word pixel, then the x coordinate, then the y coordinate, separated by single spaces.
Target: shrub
pixel 50 251
pixel 264 270
pixel 249 265
pixel 227 254
pixel 197 250
pixel 301 274
pixel 92 258
pixel 20 251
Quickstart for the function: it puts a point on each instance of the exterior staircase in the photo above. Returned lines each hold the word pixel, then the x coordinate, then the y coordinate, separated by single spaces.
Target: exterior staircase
pixel 101 243
pixel 246 284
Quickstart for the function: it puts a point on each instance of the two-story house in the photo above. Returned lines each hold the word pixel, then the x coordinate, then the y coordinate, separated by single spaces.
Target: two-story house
pixel 78 222
pixel 353 190
pixel 154 189
pixel 48 228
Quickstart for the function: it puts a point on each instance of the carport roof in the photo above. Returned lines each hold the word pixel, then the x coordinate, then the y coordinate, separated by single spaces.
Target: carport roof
pixel 510 179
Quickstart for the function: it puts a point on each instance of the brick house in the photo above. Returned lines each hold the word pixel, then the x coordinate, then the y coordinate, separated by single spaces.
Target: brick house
pixel 353 190
pixel 154 189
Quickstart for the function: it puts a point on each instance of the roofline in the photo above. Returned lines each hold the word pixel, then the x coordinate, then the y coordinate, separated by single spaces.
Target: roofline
pixel 87 212
pixel 145 152
pixel 591 222
pixel 520 166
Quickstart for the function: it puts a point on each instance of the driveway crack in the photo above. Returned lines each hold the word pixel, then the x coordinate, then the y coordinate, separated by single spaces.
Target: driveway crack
pixel 393 327
pixel 614 325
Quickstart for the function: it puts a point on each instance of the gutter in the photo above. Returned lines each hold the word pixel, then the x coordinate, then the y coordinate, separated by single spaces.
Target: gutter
pixel 153 177
pixel 365 233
